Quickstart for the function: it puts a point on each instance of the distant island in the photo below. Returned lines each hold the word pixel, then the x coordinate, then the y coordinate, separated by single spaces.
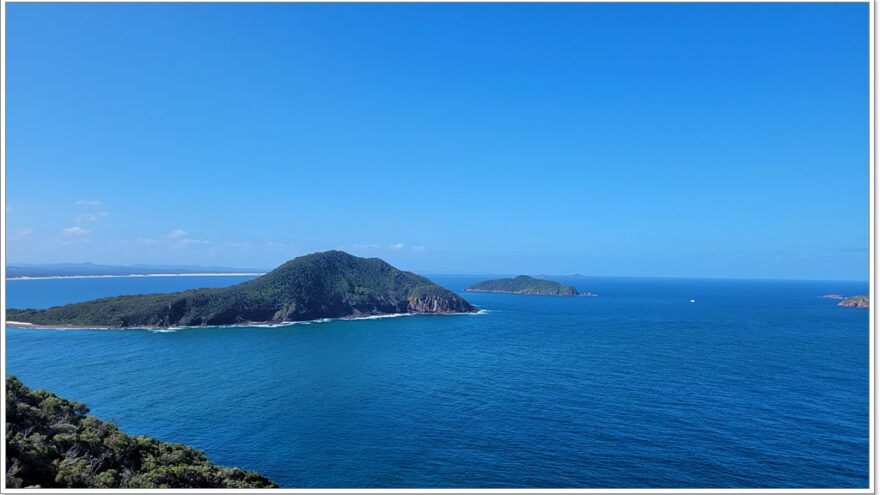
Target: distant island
pixel 331 284
pixel 833 296
pixel 573 275
pixel 52 443
pixel 524 284
pixel 855 302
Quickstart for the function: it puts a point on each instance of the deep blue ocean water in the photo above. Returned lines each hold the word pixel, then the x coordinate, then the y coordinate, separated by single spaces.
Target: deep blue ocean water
pixel 755 384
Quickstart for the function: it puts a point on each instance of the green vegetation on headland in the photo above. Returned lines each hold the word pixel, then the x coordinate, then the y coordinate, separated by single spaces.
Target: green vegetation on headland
pixel 524 284
pixel 332 284
pixel 855 302
pixel 52 443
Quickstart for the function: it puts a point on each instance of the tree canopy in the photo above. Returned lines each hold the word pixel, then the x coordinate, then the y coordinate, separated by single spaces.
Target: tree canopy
pixel 52 443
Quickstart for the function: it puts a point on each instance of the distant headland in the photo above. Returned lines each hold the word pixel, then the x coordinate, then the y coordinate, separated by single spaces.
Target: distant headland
pixel 523 284
pixel 331 284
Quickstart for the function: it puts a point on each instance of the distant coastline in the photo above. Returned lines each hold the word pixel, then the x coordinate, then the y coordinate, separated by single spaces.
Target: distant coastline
pixel 141 275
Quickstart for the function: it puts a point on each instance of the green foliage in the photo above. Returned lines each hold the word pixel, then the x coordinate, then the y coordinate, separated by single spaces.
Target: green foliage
pixel 524 284
pixel 51 443
pixel 331 284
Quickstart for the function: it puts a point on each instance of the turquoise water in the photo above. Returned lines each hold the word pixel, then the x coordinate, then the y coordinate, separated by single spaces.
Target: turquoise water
pixel 755 384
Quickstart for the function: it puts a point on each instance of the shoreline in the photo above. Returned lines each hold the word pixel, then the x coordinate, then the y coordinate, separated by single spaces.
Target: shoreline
pixel 139 275
pixel 250 324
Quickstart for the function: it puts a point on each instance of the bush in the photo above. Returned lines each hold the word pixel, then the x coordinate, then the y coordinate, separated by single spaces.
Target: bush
pixel 51 443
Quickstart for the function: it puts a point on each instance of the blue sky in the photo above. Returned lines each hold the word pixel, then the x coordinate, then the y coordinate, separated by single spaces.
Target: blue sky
pixel 701 140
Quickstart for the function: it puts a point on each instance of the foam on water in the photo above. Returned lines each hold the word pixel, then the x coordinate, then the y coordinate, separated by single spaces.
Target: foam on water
pixel 251 324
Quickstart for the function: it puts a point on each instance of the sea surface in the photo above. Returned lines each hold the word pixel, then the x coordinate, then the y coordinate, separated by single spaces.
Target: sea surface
pixel 754 384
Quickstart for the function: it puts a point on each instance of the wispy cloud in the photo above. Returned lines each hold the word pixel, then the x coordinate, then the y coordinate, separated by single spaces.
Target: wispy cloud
pixel 398 246
pixel 21 234
pixel 182 239
pixel 87 202
pixel 91 217
pixel 178 238
pixel 75 231
pixel 191 242
pixel 238 245
pixel 280 246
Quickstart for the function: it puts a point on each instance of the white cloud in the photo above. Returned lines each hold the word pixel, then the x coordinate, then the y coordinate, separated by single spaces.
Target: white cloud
pixel 75 231
pixel 177 234
pixel 91 217
pixel 419 248
pixel 87 202
pixel 397 247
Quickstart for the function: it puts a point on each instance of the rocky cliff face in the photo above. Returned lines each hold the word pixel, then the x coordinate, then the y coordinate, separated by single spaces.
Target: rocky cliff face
pixel 436 303
pixel 856 302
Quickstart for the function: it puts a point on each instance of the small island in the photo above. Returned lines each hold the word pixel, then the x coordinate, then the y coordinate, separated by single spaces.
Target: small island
pixel 524 284
pixel 856 302
pixel 52 443
pixel 332 284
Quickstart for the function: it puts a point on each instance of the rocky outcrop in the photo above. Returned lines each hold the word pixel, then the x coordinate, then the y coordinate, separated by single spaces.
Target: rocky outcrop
pixel 438 304
pixel 855 302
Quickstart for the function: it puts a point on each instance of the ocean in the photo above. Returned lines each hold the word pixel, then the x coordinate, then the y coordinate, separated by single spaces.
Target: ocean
pixel 755 384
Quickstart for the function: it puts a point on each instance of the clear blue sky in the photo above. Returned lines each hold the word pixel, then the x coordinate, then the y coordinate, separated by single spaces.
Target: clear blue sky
pixel 643 139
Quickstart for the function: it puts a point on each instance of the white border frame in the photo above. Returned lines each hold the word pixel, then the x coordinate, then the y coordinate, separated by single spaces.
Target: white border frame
pixel 872 458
